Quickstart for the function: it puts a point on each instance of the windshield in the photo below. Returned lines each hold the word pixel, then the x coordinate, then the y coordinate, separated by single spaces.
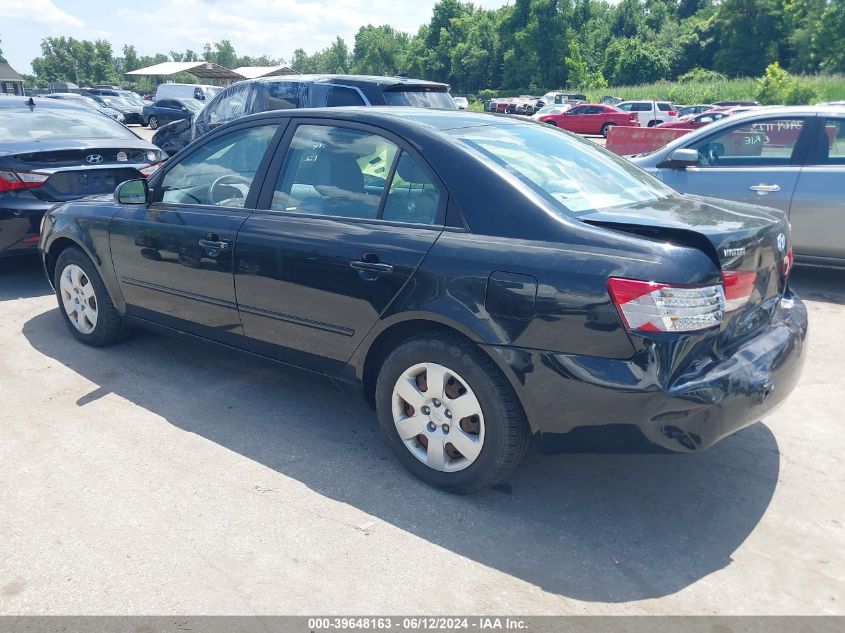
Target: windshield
pixel 194 105
pixel 575 174
pixel 116 102
pixel 64 123
pixel 424 98
pixel 83 100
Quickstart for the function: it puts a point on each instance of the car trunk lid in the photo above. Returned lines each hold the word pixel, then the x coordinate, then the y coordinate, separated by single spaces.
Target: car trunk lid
pixel 747 243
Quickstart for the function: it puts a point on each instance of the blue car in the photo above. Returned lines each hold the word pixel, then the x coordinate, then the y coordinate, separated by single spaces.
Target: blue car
pixel 166 111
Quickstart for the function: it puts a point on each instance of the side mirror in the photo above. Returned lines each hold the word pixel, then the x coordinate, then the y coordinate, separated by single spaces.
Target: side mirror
pixel 683 157
pixel 132 192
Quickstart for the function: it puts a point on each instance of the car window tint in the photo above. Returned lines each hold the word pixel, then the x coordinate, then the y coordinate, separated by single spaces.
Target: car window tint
pixel 641 107
pixel 664 107
pixel 573 174
pixel 767 142
pixel 334 171
pixel 577 110
pixel 343 96
pixel 625 106
pixel 832 148
pixel 284 95
pixel 220 172
pixel 413 197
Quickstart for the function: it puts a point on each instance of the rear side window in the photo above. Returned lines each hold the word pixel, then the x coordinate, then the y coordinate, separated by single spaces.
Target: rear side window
pixel 344 96
pixel 284 95
pixel 664 107
pixel 412 196
pixel 832 147
pixel 420 98
pixel 334 171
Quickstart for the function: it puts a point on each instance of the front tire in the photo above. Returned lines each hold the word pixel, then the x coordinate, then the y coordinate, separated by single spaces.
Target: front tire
pixel 84 301
pixel 153 123
pixel 449 414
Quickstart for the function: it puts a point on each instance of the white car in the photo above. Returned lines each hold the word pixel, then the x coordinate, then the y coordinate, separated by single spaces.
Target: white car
pixel 551 109
pixel 461 102
pixel 650 113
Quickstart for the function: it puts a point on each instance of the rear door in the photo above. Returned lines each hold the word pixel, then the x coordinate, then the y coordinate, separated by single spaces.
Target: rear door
pixel 173 257
pixel 753 161
pixel 818 205
pixel 345 224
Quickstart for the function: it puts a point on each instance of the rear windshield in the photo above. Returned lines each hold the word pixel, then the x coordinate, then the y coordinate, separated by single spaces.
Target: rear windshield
pixel 420 98
pixel 575 174
pixel 49 124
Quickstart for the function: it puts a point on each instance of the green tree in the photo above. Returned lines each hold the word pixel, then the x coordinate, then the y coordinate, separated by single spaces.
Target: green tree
pixel 378 50
pixel 752 34
pixel 576 68
pixel 2 59
pixel 631 61
pixel 829 41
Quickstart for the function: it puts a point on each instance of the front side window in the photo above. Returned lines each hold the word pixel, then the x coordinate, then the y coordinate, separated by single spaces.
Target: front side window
pixel 758 143
pixel 574 174
pixel 334 171
pixel 221 172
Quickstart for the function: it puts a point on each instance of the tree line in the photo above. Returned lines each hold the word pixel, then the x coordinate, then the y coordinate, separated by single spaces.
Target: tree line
pixel 534 45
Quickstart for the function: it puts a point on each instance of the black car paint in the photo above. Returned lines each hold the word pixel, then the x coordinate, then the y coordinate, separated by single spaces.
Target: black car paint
pixel 21 211
pixel 533 293
pixel 165 114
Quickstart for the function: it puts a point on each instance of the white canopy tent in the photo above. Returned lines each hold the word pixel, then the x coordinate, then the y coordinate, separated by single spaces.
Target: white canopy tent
pixel 200 70
pixel 253 72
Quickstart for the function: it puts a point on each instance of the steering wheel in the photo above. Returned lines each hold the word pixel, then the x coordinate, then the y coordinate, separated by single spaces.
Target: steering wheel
pixel 229 180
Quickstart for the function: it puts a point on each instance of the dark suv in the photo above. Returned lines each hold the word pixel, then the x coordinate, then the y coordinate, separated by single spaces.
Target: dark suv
pixel 303 91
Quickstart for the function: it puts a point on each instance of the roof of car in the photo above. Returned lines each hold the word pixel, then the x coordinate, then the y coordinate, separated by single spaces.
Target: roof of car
pixel 352 80
pixel 23 102
pixel 430 118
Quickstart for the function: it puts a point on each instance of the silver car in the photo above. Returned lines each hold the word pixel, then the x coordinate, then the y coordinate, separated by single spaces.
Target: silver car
pixel 790 158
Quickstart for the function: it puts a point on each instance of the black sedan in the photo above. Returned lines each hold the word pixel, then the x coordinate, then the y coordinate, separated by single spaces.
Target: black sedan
pixel 166 111
pixel 476 296
pixel 131 112
pixel 52 151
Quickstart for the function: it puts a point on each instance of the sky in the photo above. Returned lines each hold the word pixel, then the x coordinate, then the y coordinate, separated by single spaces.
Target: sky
pixel 254 27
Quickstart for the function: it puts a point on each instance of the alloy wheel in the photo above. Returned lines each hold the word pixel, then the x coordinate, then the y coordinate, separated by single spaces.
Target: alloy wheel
pixel 438 417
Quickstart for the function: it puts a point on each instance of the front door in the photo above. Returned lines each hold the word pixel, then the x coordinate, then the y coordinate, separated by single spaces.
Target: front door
pixel 173 257
pixel 350 218
pixel 752 162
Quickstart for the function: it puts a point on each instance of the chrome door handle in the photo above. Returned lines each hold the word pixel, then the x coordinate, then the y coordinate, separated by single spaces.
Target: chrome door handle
pixel 371 267
pixel 763 189
pixel 215 242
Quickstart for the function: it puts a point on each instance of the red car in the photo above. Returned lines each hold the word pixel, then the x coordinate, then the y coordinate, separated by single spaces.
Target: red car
pixel 698 120
pixel 591 118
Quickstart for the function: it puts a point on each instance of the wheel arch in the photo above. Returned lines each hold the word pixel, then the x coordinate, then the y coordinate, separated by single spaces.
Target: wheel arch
pixel 391 335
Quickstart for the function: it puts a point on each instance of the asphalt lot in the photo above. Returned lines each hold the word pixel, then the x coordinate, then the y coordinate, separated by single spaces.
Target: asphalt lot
pixel 163 476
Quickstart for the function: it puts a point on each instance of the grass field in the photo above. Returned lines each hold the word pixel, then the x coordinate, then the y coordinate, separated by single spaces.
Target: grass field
pixel 827 87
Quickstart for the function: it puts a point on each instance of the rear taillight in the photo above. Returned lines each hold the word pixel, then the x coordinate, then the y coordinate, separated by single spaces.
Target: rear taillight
pixel 149 170
pixel 739 285
pixel 12 180
pixel 787 263
pixel 647 306
pixel 673 113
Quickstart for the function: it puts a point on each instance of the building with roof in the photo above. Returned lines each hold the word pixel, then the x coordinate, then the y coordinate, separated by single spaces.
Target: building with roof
pixel 200 70
pixel 11 82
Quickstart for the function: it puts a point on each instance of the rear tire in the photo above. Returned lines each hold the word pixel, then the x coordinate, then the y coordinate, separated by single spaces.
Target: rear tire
pixel 84 302
pixel 606 128
pixel 653 123
pixel 153 123
pixel 459 455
